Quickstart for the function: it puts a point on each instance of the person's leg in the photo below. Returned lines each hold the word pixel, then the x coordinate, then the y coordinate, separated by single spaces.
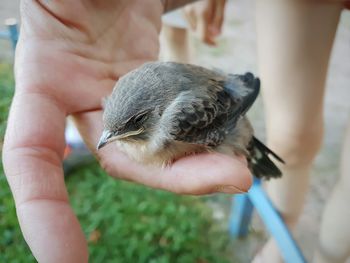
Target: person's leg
pixel 334 244
pixel 175 44
pixel 294 43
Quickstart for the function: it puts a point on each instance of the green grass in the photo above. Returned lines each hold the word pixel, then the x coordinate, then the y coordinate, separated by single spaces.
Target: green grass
pixel 123 222
pixel 132 223
pixel 6 93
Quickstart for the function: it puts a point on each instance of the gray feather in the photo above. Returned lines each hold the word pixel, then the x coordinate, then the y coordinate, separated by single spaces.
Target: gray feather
pixel 187 103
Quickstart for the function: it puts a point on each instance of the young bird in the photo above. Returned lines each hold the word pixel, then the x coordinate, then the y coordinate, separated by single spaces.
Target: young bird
pixel 163 111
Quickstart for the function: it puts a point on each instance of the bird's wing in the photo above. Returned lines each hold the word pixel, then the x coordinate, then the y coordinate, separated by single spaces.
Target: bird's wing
pixel 243 89
pixel 204 116
pixel 201 118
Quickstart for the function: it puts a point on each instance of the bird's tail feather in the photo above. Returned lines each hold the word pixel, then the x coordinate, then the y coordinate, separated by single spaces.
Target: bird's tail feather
pixel 260 162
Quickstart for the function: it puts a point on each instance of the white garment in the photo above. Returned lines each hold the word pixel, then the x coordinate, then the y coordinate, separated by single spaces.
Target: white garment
pixel 175 19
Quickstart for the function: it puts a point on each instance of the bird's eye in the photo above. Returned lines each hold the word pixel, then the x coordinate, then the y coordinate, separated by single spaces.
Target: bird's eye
pixel 140 118
pixel 119 128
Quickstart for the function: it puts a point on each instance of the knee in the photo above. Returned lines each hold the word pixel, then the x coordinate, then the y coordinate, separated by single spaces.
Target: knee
pixel 297 146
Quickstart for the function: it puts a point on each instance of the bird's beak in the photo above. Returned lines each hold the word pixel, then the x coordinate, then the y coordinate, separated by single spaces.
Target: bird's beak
pixel 105 138
pixel 108 137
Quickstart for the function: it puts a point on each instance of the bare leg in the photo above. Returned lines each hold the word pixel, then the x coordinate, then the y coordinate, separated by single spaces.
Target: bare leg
pixel 294 43
pixel 334 245
pixel 175 44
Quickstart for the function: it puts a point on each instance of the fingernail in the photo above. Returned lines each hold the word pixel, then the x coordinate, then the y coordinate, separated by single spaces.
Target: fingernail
pixel 230 189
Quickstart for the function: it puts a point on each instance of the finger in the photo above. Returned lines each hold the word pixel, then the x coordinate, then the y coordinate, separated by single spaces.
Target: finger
pixel 207 13
pixel 32 156
pixel 197 174
pixel 203 29
pixel 208 173
pixel 218 18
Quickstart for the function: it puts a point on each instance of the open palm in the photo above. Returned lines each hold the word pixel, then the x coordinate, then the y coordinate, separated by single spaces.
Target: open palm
pixel 68 58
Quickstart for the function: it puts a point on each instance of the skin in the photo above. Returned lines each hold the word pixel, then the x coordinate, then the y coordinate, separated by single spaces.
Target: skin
pixel 205 19
pixel 68 58
pixel 293 89
pixel 334 243
pixel 176 45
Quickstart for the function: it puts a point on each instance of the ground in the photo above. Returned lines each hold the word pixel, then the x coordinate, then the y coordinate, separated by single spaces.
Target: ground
pixel 237 53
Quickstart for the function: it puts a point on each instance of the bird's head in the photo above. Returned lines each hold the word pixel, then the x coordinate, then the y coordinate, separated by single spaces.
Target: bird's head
pixel 134 127
pixel 131 112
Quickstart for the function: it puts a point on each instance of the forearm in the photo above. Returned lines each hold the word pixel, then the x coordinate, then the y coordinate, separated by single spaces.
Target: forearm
pixel 170 5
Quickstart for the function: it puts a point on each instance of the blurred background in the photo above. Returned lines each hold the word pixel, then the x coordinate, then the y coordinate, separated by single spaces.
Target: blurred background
pixel 124 222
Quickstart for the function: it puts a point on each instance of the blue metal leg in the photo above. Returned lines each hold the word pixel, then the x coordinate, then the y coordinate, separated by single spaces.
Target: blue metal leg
pixel 11 24
pixel 12 31
pixel 241 213
pixel 274 223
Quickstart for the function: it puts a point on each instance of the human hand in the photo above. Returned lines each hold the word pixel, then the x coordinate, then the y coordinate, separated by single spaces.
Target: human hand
pixel 205 19
pixel 68 58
